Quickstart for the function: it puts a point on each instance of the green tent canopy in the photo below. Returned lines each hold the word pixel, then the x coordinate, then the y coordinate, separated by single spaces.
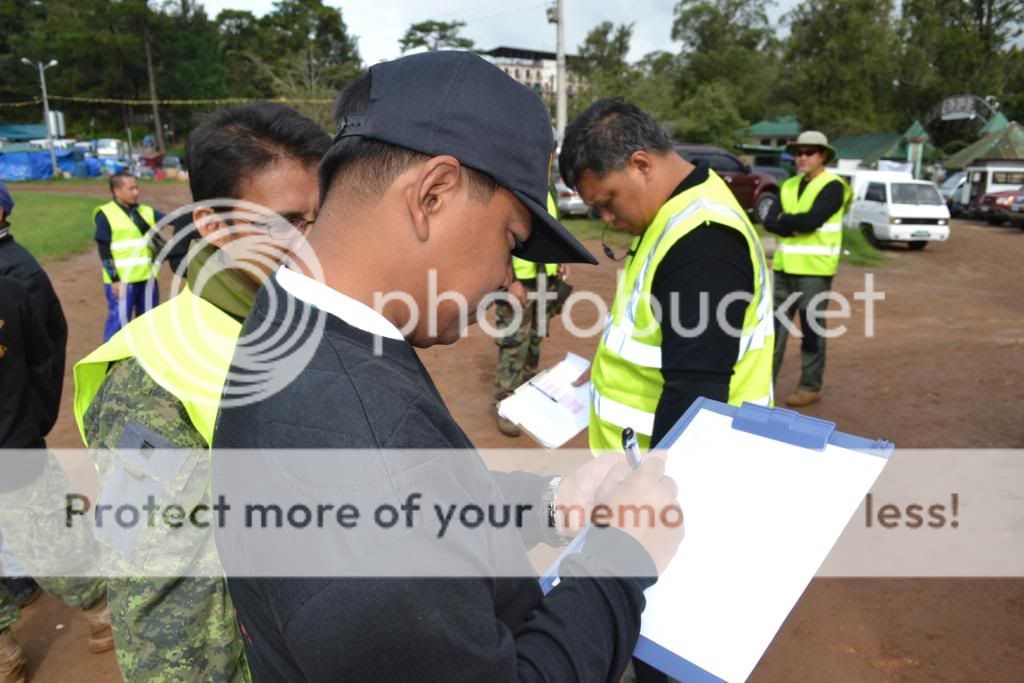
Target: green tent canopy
pixel 1005 144
pixel 995 124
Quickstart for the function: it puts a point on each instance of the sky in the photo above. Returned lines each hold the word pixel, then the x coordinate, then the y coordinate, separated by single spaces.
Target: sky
pixel 379 24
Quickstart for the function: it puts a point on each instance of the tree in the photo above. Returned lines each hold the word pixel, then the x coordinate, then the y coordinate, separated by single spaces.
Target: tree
pixel 435 35
pixel 839 65
pixel 655 85
pixel 957 46
pixel 311 56
pixel 604 50
pixel 295 23
pixel 709 116
pixel 730 43
pixel 241 35
pixel 601 61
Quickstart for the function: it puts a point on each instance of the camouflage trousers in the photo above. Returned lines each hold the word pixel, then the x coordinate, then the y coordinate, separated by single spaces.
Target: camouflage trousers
pixel 519 346
pixel 64 563
pixel 176 629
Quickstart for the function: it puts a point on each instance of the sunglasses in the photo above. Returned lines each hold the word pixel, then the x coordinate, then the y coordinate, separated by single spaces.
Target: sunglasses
pixel 806 152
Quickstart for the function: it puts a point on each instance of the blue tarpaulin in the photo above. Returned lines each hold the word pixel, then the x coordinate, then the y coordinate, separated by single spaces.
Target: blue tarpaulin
pixel 15 166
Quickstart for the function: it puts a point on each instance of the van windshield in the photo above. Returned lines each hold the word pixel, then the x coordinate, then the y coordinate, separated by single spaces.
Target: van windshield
pixel 952 181
pixel 915 193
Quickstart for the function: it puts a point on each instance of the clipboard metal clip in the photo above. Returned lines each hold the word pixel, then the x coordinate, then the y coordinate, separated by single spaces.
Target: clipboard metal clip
pixel 782 424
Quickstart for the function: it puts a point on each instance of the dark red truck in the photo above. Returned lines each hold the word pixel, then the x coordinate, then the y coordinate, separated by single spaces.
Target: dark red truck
pixel 754 190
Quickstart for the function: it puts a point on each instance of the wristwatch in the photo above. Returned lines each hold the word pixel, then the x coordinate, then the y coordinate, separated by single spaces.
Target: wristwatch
pixel 550 510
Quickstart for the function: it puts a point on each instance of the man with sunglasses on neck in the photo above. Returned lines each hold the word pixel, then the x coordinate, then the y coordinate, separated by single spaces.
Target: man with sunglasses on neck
pixel 157 383
pixel 810 230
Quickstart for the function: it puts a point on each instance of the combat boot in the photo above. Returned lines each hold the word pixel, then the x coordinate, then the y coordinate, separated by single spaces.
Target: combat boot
pixel 12 659
pixel 101 635
pixel 507 427
pixel 802 397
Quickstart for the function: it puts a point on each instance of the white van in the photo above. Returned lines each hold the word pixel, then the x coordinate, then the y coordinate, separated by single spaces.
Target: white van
pixel 899 210
pixel 858 179
pixel 987 177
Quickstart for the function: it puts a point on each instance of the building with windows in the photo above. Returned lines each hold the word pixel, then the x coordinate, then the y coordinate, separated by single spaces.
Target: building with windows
pixel 535 68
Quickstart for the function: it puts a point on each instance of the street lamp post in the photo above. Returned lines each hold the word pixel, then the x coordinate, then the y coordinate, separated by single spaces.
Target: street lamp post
pixel 46 109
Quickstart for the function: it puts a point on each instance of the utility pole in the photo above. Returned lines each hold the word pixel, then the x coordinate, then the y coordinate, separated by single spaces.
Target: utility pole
pixel 556 15
pixel 46 109
pixel 152 89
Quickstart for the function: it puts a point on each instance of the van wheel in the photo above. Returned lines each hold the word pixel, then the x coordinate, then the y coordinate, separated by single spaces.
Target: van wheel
pixel 763 205
pixel 917 246
pixel 995 221
pixel 869 234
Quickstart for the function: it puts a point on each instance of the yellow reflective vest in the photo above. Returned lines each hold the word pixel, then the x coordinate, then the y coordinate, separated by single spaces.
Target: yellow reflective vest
pixel 527 270
pixel 812 253
pixel 626 379
pixel 157 340
pixel 129 248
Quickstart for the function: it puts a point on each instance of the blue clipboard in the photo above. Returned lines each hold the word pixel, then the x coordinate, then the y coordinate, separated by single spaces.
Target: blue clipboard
pixel 779 424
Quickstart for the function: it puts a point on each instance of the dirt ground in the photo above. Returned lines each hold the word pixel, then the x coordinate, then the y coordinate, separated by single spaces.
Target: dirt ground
pixel 945 368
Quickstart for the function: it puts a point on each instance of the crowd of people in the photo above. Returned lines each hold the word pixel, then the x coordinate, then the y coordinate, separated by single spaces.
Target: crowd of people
pixel 293 234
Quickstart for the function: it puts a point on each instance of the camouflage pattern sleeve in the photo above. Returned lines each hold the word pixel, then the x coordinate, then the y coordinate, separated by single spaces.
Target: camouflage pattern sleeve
pixel 166 628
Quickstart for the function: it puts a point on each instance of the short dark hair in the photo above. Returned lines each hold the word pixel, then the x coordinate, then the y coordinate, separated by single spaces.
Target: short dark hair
pixel 368 166
pixel 603 137
pixel 118 178
pixel 233 144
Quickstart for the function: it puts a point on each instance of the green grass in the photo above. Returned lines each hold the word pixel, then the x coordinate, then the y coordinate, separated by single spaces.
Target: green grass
pixel 586 229
pixel 857 251
pixel 52 226
pixel 84 182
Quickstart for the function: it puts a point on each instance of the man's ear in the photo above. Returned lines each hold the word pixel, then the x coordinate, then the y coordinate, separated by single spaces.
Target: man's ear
pixel 433 190
pixel 210 226
pixel 642 162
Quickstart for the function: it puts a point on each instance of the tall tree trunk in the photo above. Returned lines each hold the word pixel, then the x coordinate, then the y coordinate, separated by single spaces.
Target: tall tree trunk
pixel 152 90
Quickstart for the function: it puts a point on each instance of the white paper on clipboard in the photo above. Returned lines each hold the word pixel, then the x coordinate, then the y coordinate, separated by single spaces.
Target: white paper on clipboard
pixel 548 407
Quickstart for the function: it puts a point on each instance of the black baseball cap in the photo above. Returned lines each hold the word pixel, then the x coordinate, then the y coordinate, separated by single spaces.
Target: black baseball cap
pixel 457 103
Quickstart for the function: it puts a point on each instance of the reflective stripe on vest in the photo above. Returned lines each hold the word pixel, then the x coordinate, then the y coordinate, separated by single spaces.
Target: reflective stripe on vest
pixel 626 378
pixel 156 340
pixel 813 253
pixel 130 250
pixel 527 270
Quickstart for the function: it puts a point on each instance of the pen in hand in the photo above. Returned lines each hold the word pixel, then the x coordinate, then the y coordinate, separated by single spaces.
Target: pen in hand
pixel 631 447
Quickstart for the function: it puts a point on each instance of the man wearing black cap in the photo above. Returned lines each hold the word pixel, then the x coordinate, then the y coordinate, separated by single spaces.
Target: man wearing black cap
pixel 434 197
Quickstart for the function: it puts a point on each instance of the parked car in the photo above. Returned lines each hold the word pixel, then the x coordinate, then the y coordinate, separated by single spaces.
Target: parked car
pixel 951 188
pixel 900 210
pixel 780 174
pixel 755 191
pixel 986 178
pixel 1017 210
pixel 994 207
pixel 569 201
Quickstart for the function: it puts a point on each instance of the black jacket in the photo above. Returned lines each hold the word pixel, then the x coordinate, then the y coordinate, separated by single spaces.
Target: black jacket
pixel 376 628
pixel 34 336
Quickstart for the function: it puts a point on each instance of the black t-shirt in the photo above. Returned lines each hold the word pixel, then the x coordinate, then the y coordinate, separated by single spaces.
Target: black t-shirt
pixel 706 265
pixel 393 629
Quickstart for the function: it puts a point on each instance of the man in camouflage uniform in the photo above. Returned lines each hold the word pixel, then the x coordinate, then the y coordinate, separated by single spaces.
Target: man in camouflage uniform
pixel 170 628
pixel 33 339
pixel 519 346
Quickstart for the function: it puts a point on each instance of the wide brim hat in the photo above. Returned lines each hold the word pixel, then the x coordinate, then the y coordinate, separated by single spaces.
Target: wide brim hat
pixel 812 138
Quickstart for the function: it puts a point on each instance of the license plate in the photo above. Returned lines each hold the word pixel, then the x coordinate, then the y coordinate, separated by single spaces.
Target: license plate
pixel 985 209
pixel 920 233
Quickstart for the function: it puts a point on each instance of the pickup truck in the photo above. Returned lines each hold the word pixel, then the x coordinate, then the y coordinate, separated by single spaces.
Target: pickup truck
pixel 754 189
pixel 994 207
